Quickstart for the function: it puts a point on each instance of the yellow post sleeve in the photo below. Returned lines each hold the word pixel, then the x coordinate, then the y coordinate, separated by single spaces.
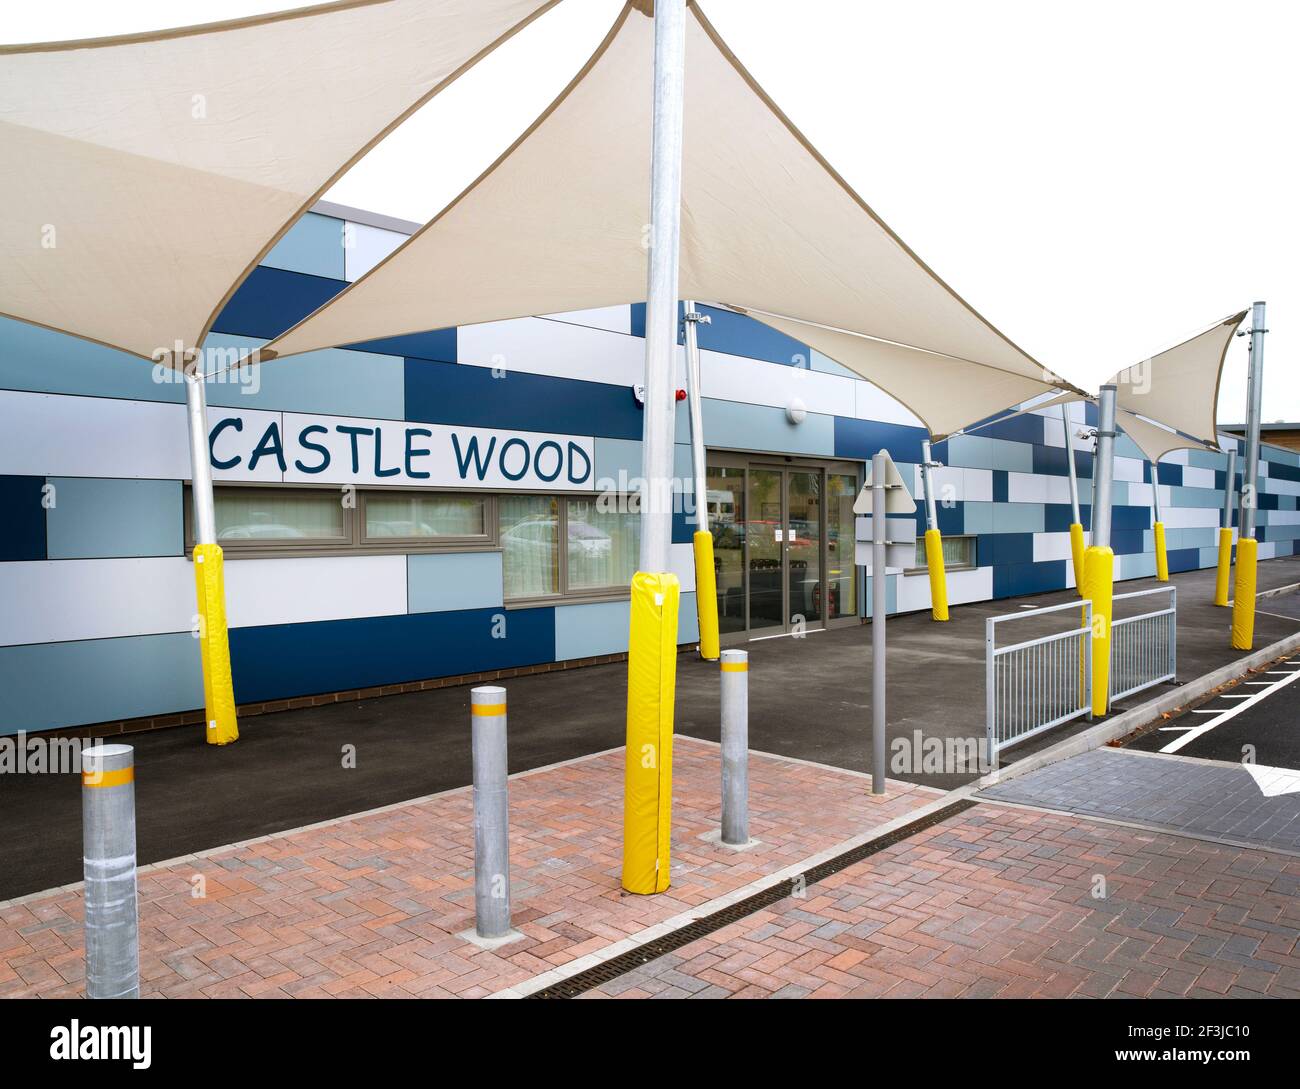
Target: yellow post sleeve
pixel 648 768
pixel 938 579
pixel 706 596
pixel 1162 557
pixel 1223 577
pixel 1243 595
pixel 1099 588
pixel 1076 555
pixel 222 727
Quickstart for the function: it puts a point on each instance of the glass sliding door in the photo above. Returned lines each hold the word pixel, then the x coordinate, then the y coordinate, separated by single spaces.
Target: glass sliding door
pixel 765 544
pixel 725 488
pixel 803 548
pixel 841 550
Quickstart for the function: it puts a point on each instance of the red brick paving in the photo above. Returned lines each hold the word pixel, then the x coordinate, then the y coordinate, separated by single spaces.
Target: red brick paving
pixel 999 902
pixel 372 905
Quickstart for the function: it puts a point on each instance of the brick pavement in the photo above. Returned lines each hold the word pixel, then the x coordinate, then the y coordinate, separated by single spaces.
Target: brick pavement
pixel 999 902
pixel 1197 797
pixel 372 905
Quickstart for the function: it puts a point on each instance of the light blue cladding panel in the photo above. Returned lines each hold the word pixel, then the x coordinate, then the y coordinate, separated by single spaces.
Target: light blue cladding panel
pixel 43 361
pixel 585 631
pixel 438 582
pixel 824 363
pixel 98 680
pixel 313 245
pixel 891 595
pixel 758 427
pixel 613 456
pixel 977 518
pixel 688 621
pixel 333 381
pixel 1195 497
pixel 1127 448
pixel 1204 459
pixel 1018 518
pixel 98 519
pixel 978 452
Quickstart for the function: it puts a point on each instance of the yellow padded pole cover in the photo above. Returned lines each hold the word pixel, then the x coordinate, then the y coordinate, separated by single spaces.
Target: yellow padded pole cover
pixel 706 596
pixel 648 773
pixel 938 579
pixel 1076 555
pixel 222 727
pixel 1223 576
pixel 1162 557
pixel 1099 588
pixel 1243 595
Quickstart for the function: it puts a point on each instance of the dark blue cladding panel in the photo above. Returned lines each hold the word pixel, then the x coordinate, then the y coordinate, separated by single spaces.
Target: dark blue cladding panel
pixel 1127 542
pixel 1184 559
pixel 1050 460
pixel 860 439
pixel 452 393
pixel 952 519
pixel 272 300
pixel 1000 479
pixel 1057 516
pixel 438 345
pixel 285 660
pixel 1278 471
pixel 1268 501
pixel 735 334
pixel 683 527
pixel 1083 464
pixel 1002 549
pixel 1028 578
pixel 22 530
pixel 1130 517
pixel 1026 428
pixel 1171 474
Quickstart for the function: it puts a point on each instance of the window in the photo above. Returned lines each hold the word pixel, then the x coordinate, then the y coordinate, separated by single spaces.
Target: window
pixel 263 515
pixel 603 546
pixel 530 545
pixel 599 553
pixel 958 554
pixel 395 516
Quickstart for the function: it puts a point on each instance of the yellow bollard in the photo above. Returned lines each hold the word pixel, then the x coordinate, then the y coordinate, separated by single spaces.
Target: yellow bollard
pixel 1076 554
pixel 648 766
pixel 706 596
pixel 1099 588
pixel 214 646
pixel 938 579
pixel 1243 595
pixel 1223 576
pixel 1162 557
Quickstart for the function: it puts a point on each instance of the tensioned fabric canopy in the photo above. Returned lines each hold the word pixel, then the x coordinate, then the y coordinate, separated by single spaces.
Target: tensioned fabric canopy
pixel 768 227
pixel 142 177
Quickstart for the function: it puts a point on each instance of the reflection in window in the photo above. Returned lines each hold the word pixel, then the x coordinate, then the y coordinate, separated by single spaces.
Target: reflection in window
pixel 396 515
pixel 602 546
pixel 529 544
pixel 957 552
pixel 256 514
pixel 841 547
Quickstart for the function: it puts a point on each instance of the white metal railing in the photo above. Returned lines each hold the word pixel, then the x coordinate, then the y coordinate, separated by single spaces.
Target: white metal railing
pixel 1144 648
pixel 1039 683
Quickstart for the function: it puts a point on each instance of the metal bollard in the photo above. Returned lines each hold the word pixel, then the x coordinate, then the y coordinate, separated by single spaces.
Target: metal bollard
pixel 491 813
pixel 735 747
pixel 108 854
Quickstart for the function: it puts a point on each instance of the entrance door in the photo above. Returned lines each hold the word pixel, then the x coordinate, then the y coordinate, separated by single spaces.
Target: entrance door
pixel 782 545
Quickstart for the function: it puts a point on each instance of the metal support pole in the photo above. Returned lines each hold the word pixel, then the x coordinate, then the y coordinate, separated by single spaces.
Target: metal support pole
pixel 695 409
pixel 1229 485
pixel 1103 467
pixel 1255 395
pixel 735 747
pixel 1069 461
pixel 661 295
pixel 879 605
pixel 927 486
pixel 1155 490
pixel 205 522
pixel 491 813
pixel 108 850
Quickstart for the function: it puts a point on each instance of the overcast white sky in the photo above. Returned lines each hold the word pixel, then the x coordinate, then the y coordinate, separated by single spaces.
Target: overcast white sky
pixel 1100 182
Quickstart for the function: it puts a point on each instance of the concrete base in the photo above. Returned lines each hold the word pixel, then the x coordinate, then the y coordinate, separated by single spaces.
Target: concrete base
pixel 716 837
pixel 472 937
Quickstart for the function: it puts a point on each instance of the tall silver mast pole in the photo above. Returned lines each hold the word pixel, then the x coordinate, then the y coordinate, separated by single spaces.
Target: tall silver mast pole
pixel 1069 460
pixel 661 296
pixel 1104 466
pixel 1255 400
pixel 695 408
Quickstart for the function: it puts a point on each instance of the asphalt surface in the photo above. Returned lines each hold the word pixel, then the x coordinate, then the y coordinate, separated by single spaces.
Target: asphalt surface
pixel 809 698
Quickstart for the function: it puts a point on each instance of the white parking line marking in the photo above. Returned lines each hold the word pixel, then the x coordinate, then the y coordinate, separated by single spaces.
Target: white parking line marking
pixel 1231 712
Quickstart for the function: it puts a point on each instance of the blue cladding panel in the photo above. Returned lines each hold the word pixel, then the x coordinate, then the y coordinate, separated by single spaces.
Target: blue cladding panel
pixel 449 581
pixel 1184 559
pixel 438 345
pixel 1029 578
pixel 1130 517
pixel 22 533
pixel 683 527
pixel 585 631
pixel 1127 542
pixel 457 393
pixel 1058 516
pixel 313 245
pixel 861 439
pixel 1171 474
pixel 1026 428
pixel 44 361
pixel 615 457
pixel 284 660
pixel 952 520
pixel 94 519
pixel 737 334
pixel 272 300
pixel 999 486
pixel 69 684
pixel 1051 461
pixel 760 427
pixel 1279 471
pixel 1001 549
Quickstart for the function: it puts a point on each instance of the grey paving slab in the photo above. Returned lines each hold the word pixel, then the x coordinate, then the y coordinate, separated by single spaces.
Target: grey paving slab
pixel 1212 800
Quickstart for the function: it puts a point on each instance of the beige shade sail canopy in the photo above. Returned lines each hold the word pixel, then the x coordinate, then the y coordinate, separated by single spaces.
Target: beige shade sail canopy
pixel 1180 386
pixel 143 177
pixel 557 224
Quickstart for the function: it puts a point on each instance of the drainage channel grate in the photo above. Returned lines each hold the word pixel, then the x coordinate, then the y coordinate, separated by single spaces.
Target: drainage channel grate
pixel 699 928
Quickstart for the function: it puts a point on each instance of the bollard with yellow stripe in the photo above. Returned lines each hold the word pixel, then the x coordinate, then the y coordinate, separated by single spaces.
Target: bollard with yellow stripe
pixel 1076 555
pixel 1243 595
pixel 938 578
pixel 648 770
pixel 1223 575
pixel 1099 588
pixel 112 947
pixel 1162 557
pixel 706 595
pixel 222 726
